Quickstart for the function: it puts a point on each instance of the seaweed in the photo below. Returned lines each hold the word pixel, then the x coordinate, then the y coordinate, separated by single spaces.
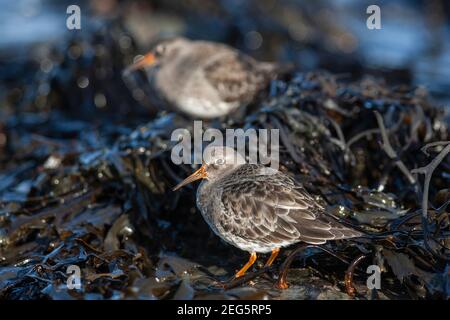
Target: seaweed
pixel 88 183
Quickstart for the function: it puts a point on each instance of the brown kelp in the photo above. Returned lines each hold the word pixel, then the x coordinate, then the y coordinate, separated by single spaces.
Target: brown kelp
pixel 86 178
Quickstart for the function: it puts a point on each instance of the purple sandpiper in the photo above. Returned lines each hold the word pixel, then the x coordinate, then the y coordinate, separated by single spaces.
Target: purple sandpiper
pixel 203 79
pixel 259 209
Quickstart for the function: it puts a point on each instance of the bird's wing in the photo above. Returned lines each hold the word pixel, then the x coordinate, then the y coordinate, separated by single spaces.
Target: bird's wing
pixel 237 77
pixel 275 210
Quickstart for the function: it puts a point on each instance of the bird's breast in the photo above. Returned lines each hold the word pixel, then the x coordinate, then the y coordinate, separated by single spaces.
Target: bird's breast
pixel 210 206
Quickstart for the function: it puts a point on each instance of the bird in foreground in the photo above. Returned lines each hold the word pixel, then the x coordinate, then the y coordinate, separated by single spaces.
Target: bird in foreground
pixel 204 79
pixel 259 209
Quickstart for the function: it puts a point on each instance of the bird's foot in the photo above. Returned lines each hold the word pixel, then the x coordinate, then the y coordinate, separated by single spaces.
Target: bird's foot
pixel 282 284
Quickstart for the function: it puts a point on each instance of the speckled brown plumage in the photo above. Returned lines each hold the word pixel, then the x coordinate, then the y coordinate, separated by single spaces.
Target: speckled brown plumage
pixel 258 209
pixel 237 77
pixel 204 79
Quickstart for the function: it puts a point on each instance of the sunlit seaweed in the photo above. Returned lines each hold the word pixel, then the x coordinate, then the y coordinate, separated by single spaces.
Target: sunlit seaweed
pixel 92 187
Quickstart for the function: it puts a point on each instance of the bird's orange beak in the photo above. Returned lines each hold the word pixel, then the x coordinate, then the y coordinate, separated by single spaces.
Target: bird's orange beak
pixel 199 174
pixel 145 61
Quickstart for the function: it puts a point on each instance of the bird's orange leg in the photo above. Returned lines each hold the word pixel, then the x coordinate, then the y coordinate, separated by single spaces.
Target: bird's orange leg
pixel 272 258
pixel 250 262
pixel 282 284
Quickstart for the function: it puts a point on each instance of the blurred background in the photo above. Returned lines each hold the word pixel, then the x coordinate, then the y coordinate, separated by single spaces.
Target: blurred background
pixel 412 47
pixel 85 175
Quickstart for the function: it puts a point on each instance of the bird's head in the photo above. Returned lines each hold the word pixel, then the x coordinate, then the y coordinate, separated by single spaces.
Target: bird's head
pixel 165 50
pixel 217 160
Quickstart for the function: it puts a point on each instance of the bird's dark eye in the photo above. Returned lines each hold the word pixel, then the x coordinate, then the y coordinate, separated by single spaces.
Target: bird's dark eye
pixel 219 162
